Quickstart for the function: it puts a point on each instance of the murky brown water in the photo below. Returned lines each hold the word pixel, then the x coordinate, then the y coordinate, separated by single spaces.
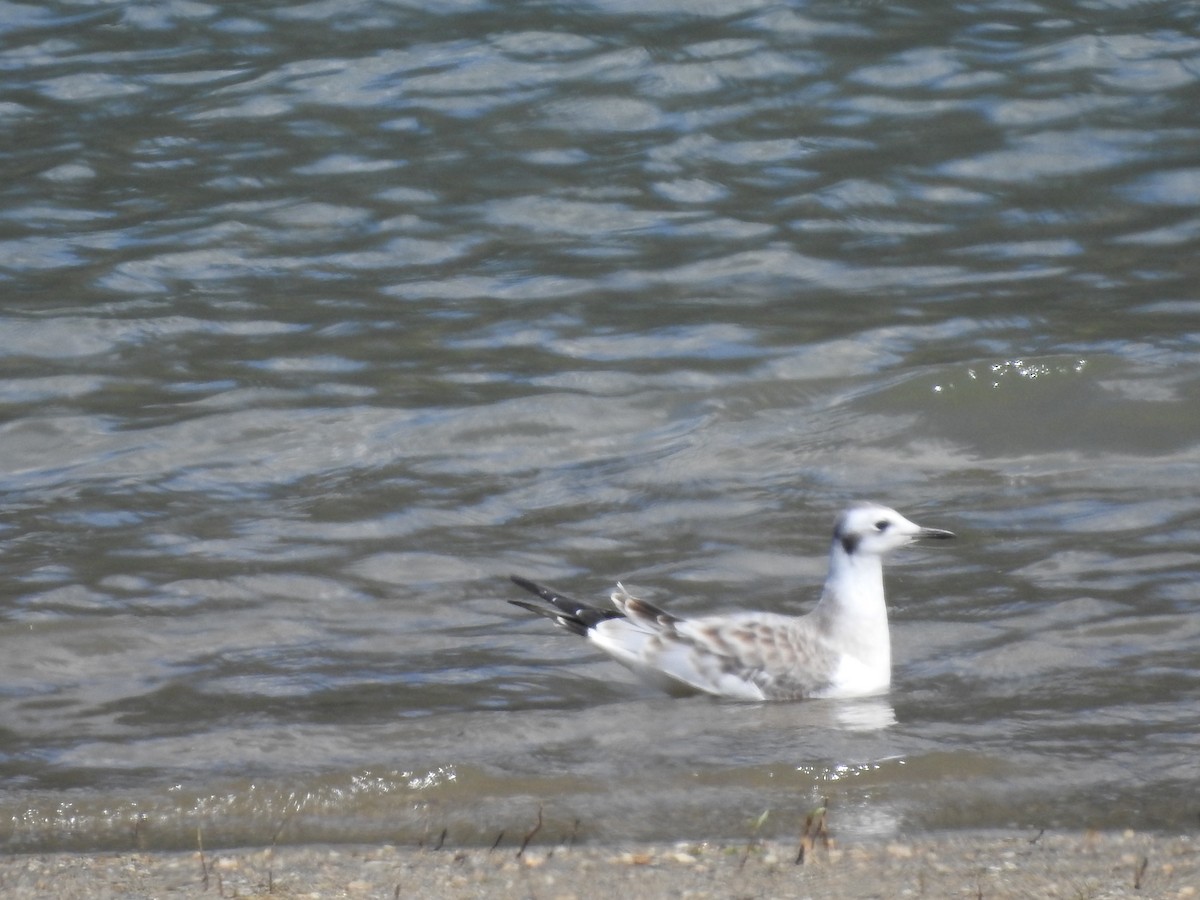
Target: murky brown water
pixel 318 320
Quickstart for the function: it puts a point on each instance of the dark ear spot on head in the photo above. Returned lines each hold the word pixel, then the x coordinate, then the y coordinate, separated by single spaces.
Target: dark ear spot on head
pixel 850 543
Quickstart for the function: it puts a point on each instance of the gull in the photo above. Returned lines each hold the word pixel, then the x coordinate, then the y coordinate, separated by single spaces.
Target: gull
pixel 839 649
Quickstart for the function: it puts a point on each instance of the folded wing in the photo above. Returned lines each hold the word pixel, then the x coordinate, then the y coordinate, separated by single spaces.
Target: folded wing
pixel 747 656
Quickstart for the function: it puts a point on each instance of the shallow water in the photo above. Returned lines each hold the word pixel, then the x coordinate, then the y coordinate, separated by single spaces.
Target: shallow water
pixel 318 320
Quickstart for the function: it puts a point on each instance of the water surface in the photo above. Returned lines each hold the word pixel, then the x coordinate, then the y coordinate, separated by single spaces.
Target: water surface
pixel 319 319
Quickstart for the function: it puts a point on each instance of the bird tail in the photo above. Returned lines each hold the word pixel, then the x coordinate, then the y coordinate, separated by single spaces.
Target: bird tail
pixel 573 615
pixel 641 612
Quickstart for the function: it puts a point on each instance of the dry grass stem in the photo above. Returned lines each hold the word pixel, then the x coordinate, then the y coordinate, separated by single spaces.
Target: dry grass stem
pixel 529 837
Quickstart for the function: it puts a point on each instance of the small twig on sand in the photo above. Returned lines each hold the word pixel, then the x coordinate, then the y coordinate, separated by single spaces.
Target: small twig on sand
pixel 755 826
pixel 815 828
pixel 203 862
pixel 271 853
pixel 139 835
pixel 1140 872
pixel 529 837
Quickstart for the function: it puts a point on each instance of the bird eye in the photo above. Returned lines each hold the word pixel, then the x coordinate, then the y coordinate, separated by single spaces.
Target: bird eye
pixel 882 525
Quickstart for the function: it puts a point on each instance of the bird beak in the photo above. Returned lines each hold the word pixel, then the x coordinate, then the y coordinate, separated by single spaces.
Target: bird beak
pixel 935 533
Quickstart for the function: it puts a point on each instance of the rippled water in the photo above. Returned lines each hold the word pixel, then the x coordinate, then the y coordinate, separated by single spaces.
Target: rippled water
pixel 319 319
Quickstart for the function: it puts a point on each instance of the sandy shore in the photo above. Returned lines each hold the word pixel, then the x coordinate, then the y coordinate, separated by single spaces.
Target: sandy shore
pixel 987 865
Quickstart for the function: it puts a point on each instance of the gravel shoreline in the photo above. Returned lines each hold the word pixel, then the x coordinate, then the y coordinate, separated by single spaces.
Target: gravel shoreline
pixel 987 865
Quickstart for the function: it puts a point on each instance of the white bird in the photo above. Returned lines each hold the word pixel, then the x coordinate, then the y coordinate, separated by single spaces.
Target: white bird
pixel 839 649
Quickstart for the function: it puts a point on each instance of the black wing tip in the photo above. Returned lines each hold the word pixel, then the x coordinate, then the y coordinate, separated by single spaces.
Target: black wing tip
pixel 534 588
pixel 573 615
pixel 558 617
pixel 532 607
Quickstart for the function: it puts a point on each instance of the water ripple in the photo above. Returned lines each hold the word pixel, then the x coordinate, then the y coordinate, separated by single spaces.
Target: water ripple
pixel 318 320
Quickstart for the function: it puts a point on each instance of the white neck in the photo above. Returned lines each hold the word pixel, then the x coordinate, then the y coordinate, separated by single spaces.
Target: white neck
pixel 852 610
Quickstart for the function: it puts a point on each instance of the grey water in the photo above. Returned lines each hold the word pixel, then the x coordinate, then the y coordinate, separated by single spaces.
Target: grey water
pixel 319 319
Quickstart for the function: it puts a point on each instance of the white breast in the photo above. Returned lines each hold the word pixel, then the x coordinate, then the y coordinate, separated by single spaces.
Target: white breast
pixel 854 678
